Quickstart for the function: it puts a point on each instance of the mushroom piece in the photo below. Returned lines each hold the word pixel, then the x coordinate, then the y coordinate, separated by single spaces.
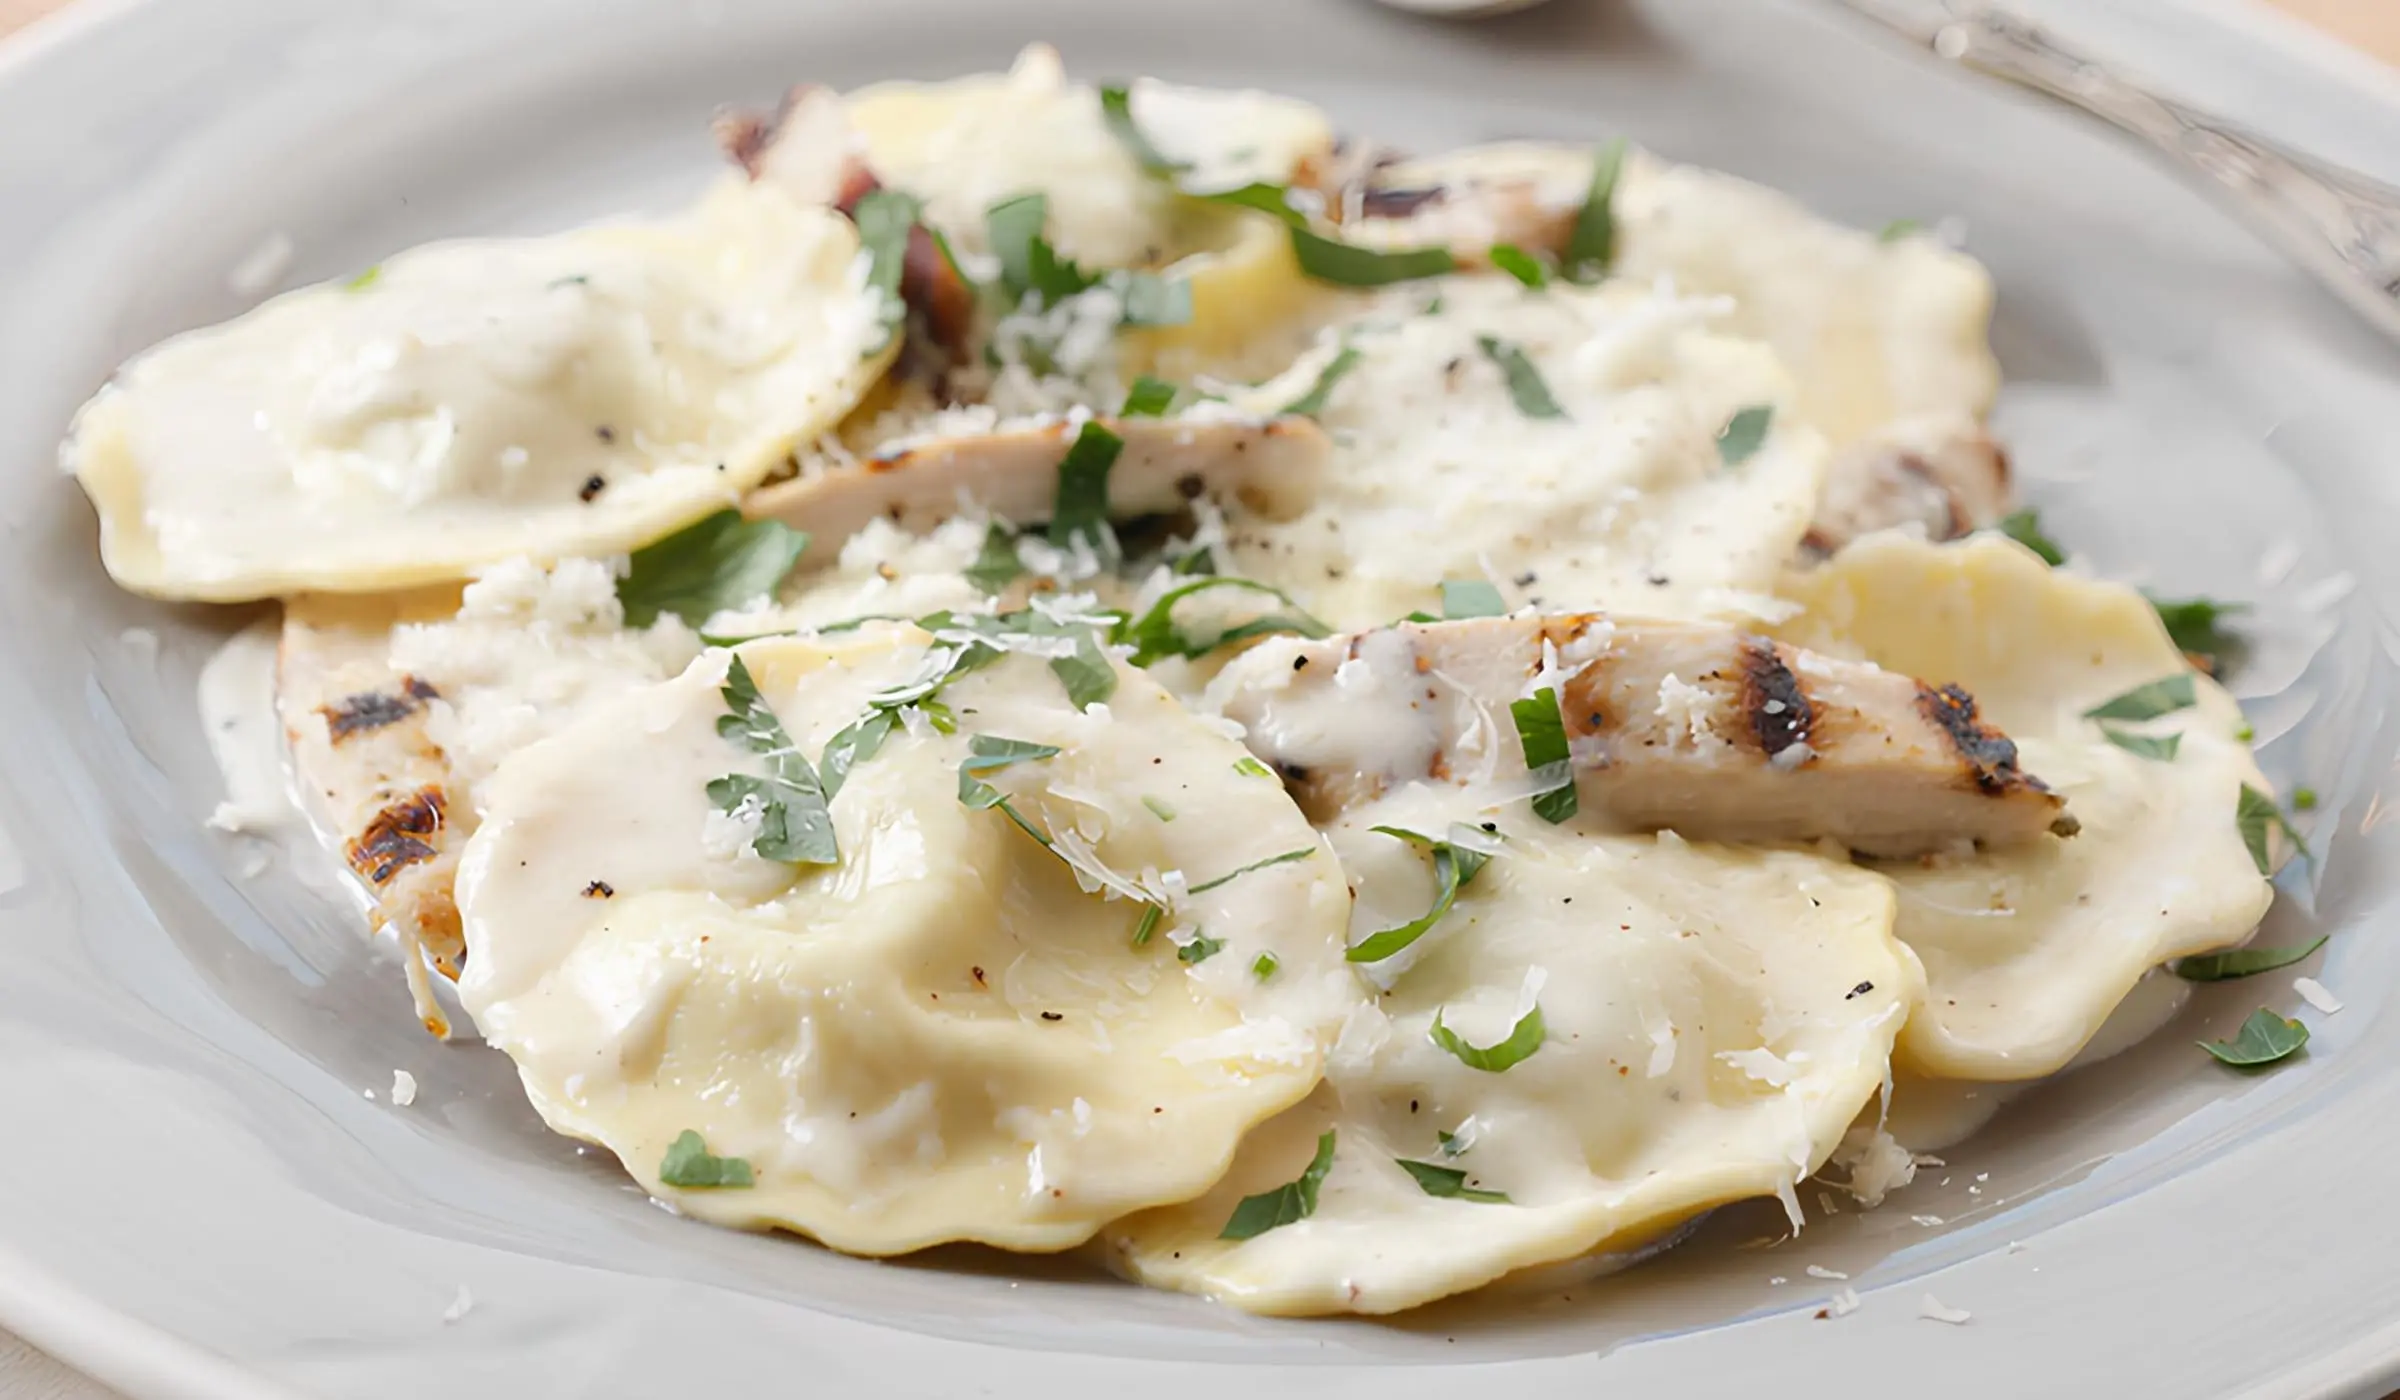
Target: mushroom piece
pixel 1269 466
pixel 1695 727
pixel 1943 479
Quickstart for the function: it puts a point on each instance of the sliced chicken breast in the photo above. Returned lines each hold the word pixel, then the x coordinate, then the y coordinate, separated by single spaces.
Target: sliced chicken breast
pixel 1695 727
pixel 1269 466
pixel 1941 479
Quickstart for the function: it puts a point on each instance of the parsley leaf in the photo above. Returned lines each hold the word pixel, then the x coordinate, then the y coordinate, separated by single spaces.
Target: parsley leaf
pixel 1230 876
pixel 2160 697
pixel 1523 1041
pixel 1592 245
pixel 1744 434
pixel 1263 966
pixel 2160 747
pixel 1251 768
pixel 2025 527
pixel 1471 597
pixel 1151 915
pixel 1898 229
pixel 1346 265
pixel 1156 634
pixel 1147 299
pixel 366 279
pixel 2262 1040
pixel 1116 111
pixel 1525 384
pixel 1148 398
pixel 1259 197
pixel 1086 674
pixel 1199 950
pixel 2192 624
pixel 1014 228
pixel 2255 815
pixel 1448 1182
pixel 1542 734
pixel 690 1165
pixel 2242 962
pixel 852 746
pixel 1295 1200
pixel 989 753
pixel 996 566
pixel 1158 808
pixel 1518 263
pixel 722 561
pixel 1081 506
pixel 1312 403
pixel 794 825
pixel 1454 867
pixel 884 218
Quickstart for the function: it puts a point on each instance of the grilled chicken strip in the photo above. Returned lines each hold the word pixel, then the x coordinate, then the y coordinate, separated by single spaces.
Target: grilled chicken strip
pixel 1270 466
pixel 1944 479
pixel 371 773
pixel 1694 727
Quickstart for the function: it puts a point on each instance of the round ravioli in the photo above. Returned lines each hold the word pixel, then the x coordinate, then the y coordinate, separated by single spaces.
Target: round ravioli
pixel 1578 448
pixel 1001 988
pixel 1602 1037
pixel 2027 950
pixel 1874 328
pixel 468 402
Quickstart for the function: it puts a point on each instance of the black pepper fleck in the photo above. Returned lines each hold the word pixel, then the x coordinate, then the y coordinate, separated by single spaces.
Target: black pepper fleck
pixel 599 889
pixel 593 485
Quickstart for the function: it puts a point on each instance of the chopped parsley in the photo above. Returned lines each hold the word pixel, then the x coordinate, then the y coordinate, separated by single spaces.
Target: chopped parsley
pixel 1518 263
pixel 1347 265
pixel 1454 867
pixel 2304 799
pixel 1523 1040
pixel 1086 674
pixel 1157 635
pixel 2243 962
pixel 1263 966
pixel 1148 398
pixel 1294 1200
pixel 2256 816
pixel 854 745
pixel 2159 747
pixel 1159 809
pixel 793 823
pixel 1592 244
pixel 1251 768
pixel 1148 925
pixel 1542 735
pixel 714 564
pixel 2193 625
pixel 1449 1183
pixel 1116 111
pixel 364 280
pixel 2262 1040
pixel 1312 403
pixel 1744 434
pixel 2025 527
pixel 1898 229
pixel 1147 299
pixel 1031 269
pixel 989 753
pixel 1081 506
pixel 1525 384
pixel 690 1165
pixel 1259 197
pixel 1471 597
pixel 1199 950
pixel 996 565
pixel 1230 876
pixel 2159 697
pixel 1450 1143
pixel 884 218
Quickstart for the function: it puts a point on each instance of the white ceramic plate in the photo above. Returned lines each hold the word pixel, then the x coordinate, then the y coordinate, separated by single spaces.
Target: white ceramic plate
pixel 197 1199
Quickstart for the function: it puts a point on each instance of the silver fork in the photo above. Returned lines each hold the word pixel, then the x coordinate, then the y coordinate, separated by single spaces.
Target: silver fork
pixel 2343 227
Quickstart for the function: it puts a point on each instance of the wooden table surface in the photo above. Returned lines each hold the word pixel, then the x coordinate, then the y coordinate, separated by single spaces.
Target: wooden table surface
pixel 26 1374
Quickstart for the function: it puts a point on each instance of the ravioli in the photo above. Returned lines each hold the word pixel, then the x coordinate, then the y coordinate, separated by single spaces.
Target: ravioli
pixel 581 394
pixel 1711 1020
pixel 1614 489
pixel 953 1033
pixel 2027 950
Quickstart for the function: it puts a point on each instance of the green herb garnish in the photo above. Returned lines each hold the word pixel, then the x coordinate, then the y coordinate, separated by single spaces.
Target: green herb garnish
pixel 2242 962
pixel 1156 634
pixel 1260 197
pixel 1263 966
pixel 854 745
pixel 2159 697
pixel 793 823
pixel 2255 815
pixel 1199 950
pixel 1448 1183
pixel 2160 747
pixel 996 565
pixel 1744 434
pixel 2262 1040
pixel 1471 597
pixel 1081 506
pixel 364 280
pixel 690 1165
pixel 1147 299
pixel 1523 1040
pixel 2025 527
pixel 2304 799
pixel 1312 403
pixel 709 566
pixel 1252 768
pixel 1518 263
pixel 1898 229
pixel 1525 384
pixel 1148 398
pixel 2192 625
pixel 1295 1200
pixel 884 218
pixel 1592 245
pixel 1230 876
pixel 1148 925
pixel 1159 809
pixel 1542 735
pixel 1116 111
pixel 1454 867
pixel 1346 265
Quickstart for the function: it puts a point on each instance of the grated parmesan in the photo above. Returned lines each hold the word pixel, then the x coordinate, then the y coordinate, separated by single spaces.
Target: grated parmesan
pixel 2314 993
pixel 1932 1309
